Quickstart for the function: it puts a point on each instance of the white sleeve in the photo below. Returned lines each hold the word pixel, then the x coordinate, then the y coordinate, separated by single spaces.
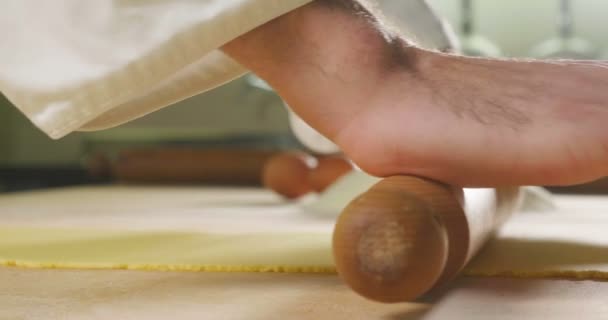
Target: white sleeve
pixel 85 65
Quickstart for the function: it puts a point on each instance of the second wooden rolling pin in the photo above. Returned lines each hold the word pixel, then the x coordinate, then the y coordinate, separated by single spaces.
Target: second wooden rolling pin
pixel 408 235
pixel 190 165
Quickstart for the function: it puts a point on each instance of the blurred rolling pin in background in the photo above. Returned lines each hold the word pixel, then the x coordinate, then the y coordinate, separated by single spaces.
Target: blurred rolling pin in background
pixel 295 174
pixel 288 173
pixel 173 165
pixel 406 235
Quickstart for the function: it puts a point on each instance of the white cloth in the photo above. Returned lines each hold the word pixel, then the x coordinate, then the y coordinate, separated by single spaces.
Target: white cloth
pixel 86 65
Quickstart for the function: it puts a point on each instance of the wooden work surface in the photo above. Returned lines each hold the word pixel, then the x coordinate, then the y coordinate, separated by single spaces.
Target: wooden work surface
pixel 112 294
pixel 68 294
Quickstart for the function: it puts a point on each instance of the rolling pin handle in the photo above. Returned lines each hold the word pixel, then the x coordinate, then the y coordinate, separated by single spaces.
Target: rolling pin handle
pixel 389 244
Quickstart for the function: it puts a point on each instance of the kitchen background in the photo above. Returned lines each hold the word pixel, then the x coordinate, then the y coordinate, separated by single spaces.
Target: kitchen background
pixel 240 114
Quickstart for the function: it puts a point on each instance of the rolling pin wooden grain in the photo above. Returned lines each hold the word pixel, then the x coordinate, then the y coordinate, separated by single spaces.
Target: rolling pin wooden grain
pixel 408 235
pixel 184 165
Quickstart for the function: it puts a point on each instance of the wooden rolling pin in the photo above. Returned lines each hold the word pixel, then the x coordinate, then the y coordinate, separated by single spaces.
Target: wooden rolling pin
pixel 185 165
pixel 408 235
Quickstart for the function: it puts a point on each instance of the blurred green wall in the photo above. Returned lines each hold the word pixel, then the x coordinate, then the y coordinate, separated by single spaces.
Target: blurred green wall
pixel 233 109
pixel 4 130
pixel 23 144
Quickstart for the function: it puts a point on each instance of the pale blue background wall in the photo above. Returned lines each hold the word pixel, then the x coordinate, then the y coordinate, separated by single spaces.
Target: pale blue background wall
pixel 517 25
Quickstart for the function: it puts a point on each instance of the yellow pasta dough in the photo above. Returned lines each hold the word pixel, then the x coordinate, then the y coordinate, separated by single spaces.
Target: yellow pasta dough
pixel 106 249
pixel 250 230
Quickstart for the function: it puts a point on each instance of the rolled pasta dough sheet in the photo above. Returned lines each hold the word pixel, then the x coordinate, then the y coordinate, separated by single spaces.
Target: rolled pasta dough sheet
pixel 254 231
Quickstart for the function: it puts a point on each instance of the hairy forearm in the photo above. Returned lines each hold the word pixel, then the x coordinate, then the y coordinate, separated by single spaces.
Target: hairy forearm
pixel 331 36
pixel 397 109
pixel 336 46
